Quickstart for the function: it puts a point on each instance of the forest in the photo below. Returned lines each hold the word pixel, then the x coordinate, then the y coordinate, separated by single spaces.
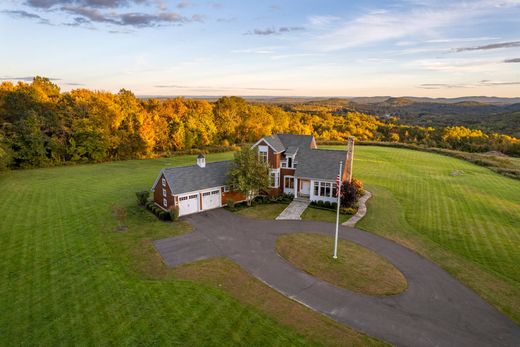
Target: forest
pixel 42 126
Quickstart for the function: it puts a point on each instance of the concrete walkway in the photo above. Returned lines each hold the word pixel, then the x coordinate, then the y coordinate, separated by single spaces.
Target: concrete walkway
pixel 294 210
pixel 435 310
pixel 361 212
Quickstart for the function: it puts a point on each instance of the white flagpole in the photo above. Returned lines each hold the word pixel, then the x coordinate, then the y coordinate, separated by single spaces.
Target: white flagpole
pixel 338 193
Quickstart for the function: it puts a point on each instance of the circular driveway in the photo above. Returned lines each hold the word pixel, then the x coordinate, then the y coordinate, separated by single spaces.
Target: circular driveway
pixel 435 310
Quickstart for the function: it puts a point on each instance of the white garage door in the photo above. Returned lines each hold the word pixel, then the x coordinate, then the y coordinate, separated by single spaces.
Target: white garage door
pixel 211 199
pixel 188 204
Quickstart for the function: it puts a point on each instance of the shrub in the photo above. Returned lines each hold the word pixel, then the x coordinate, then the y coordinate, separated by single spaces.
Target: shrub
pixel 164 215
pixel 351 192
pixel 319 203
pixel 174 213
pixel 326 204
pixel 142 197
pixel 231 204
pixel 334 205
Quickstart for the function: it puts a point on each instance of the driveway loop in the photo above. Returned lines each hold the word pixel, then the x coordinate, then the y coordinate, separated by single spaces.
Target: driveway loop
pixel 435 310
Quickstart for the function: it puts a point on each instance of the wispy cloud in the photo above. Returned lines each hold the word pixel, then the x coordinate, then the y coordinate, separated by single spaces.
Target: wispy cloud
pixel 490 46
pixel 216 88
pixel 322 21
pixel 274 31
pixel 482 83
pixel 389 24
pixel 46 4
pixel 27 15
pixel 24 78
pixel 514 60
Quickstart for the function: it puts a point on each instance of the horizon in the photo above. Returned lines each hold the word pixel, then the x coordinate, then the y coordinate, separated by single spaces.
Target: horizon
pixel 291 49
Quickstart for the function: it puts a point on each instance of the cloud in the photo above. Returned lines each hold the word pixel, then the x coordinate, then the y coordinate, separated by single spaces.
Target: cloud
pixel 274 31
pixel 421 19
pixel 321 21
pixel 25 14
pixel 482 83
pixel 24 78
pixel 46 4
pixel 216 88
pixel 514 60
pixel 74 84
pixel 135 19
pixel 490 46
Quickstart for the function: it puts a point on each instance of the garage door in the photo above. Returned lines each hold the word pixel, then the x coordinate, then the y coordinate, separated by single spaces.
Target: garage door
pixel 211 199
pixel 188 204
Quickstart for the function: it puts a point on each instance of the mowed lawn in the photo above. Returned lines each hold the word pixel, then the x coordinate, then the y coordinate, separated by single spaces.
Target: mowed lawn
pixel 469 223
pixel 67 278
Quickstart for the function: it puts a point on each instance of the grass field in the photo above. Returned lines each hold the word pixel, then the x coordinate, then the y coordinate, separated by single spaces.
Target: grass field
pixel 469 224
pixel 357 268
pixel 312 213
pixel 67 278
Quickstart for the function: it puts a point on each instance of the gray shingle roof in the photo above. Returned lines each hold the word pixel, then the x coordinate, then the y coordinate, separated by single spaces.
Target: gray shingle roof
pixel 302 141
pixel 320 163
pixel 184 179
pixel 291 150
pixel 275 142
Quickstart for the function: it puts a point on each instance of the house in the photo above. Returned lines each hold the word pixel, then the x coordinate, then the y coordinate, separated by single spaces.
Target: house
pixel 297 168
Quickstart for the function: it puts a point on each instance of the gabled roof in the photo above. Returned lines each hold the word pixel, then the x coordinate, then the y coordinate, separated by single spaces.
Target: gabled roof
pixel 301 141
pixel 275 143
pixel 184 179
pixel 320 163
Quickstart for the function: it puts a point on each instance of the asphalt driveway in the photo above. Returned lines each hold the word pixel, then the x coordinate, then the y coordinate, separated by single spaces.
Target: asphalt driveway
pixel 435 310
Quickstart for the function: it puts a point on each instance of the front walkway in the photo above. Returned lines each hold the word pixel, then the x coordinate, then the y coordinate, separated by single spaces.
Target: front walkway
pixel 361 212
pixel 294 210
pixel 435 310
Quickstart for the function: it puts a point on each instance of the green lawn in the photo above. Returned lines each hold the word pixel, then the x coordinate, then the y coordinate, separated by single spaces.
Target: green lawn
pixel 67 278
pixel 262 211
pixel 469 224
pixel 312 213
pixel 357 268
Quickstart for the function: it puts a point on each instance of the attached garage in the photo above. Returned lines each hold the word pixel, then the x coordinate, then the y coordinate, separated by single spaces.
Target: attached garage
pixel 188 204
pixel 193 188
pixel 211 199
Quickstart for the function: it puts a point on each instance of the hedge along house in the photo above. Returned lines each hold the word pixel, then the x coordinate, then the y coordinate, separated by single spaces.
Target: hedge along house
pixel 194 188
pixel 298 168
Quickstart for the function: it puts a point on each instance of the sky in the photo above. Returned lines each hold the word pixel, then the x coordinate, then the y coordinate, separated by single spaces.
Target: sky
pixel 435 48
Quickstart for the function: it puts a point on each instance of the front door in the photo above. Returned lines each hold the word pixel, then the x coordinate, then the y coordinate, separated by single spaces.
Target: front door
pixel 305 188
pixel 288 185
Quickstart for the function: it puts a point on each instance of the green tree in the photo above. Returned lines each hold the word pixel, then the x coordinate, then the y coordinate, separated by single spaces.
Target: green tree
pixel 248 174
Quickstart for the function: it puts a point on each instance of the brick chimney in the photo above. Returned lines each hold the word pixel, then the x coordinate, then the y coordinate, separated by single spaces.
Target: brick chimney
pixel 350 158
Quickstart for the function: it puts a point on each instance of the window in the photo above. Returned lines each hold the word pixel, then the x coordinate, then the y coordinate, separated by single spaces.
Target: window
pixel 215 192
pixel 289 162
pixel 284 164
pixel 193 196
pixel 226 189
pixel 206 193
pixel 274 179
pixel 289 182
pixel 262 153
pixel 263 156
pixel 334 190
pixel 325 189
pixel 164 202
pixel 164 192
pixel 164 182
pixel 183 198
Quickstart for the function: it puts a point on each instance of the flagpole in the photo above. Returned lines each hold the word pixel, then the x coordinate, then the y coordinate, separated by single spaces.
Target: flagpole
pixel 338 193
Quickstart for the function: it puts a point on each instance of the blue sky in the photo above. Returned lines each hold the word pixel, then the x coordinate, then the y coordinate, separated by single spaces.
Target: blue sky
pixel 294 48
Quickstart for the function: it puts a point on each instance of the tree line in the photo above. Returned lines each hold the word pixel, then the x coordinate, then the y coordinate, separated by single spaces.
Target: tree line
pixel 42 126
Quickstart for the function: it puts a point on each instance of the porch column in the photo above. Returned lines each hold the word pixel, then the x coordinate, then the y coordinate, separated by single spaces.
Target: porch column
pixel 295 187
